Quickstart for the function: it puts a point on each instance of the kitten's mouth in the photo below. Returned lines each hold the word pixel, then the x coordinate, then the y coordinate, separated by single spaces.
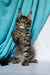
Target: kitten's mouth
pixel 22 27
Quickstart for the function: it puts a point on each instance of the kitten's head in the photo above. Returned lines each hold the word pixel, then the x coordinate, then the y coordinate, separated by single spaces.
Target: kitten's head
pixel 23 22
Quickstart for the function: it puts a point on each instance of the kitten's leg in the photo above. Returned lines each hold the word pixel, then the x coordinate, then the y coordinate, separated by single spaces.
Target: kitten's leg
pixel 26 49
pixel 25 63
pixel 32 60
pixel 16 58
pixel 26 56
pixel 26 52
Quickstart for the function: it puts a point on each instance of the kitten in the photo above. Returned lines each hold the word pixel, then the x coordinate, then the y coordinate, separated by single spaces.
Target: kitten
pixel 21 37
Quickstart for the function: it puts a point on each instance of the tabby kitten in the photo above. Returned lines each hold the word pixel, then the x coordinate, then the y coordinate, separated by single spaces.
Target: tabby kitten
pixel 21 37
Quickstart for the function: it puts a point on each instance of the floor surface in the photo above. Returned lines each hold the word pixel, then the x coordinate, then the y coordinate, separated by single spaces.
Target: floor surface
pixel 41 68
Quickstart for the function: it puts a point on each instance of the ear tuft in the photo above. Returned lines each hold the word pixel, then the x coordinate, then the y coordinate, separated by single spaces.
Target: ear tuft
pixel 19 13
pixel 29 16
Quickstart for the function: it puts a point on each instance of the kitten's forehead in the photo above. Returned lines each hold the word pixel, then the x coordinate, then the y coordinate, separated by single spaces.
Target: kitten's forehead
pixel 24 18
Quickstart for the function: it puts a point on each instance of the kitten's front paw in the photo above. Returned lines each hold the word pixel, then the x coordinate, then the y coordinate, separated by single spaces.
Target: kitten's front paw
pixel 25 63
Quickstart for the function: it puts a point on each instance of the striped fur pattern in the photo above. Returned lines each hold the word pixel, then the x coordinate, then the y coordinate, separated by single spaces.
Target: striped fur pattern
pixel 21 37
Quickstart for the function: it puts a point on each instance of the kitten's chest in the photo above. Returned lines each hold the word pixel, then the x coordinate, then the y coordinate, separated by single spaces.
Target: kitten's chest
pixel 24 37
pixel 21 37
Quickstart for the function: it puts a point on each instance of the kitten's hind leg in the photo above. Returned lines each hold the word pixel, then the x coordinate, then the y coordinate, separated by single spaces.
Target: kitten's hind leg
pixel 33 60
pixel 15 60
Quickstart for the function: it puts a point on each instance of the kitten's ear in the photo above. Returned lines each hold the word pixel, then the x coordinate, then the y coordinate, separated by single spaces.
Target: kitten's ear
pixel 19 13
pixel 29 16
